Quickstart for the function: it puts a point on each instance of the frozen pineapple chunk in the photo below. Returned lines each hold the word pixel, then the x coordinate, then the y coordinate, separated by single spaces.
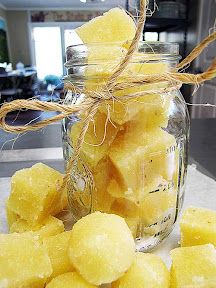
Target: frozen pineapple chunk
pixel 147 271
pixel 102 199
pixel 98 138
pixel 49 227
pixel 133 224
pixel 148 110
pixel 124 207
pixel 193 267
pixel 57 248
pixel 198 226
pixel 11 216
pixel 102 61
pixel 101 247
pixel 69 280
pixel 114 26
pixel 23 261
pixel 157 208
pixel 140 158
pixel 34 193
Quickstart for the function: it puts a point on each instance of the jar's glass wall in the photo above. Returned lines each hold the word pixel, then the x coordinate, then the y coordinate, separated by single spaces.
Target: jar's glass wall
pixel 134 158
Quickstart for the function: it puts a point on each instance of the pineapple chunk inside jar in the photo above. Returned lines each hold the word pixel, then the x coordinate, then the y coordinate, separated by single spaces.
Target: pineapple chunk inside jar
pixel 132 160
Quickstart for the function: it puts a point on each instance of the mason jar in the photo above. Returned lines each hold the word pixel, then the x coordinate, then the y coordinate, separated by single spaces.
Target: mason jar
pixel 133 161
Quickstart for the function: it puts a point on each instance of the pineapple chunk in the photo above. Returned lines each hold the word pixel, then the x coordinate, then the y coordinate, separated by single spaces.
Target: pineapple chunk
pixel 101 247
pixel 34 194
pixel 115 189
pixel 102 61
pixel 98 138
pixel 124 207
pixel 147 271
pixel 23 261
pixel 198 226
pixel 133 224
pixel 149 110
pixel 114 26
pixel 57 248
pixel 140 158
pixel 11 216
pixel 193 267
pixel 102 199
pixel 69 280
pixel 49 227
pixel 158 205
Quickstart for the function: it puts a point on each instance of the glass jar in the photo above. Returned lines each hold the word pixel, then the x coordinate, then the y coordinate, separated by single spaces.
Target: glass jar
pixel 134 158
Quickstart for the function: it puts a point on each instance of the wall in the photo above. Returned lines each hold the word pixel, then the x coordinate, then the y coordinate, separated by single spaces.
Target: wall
pixel 2 13
pixel 17 22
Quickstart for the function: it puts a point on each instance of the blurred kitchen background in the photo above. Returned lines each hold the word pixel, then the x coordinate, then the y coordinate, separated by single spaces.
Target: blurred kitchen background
pixel 35 33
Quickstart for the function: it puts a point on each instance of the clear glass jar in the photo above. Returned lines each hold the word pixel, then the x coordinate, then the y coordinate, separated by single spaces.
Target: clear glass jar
pixel 134 159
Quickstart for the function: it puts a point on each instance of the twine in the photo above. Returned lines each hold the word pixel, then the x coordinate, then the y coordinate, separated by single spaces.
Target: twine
pixel 93 99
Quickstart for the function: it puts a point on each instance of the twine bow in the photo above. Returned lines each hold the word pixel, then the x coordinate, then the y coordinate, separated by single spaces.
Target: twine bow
pixel 93 100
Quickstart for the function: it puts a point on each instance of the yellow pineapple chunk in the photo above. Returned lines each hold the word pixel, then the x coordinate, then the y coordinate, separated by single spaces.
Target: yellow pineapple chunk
pixel 98 138
pixel 193 267
pixel 149 110
pixel 102 61
pixel 147 271
pixel 114 26
pixel 157 209
pixel 101 247
pixel 198 226
pixel 23 261
pixel 57 248
pixel 49 227
pixel 34 193
pixel 140 158
pixel 124 207
pixel 11 216
pixel 102 199
pixel 69 280
pixel 133 224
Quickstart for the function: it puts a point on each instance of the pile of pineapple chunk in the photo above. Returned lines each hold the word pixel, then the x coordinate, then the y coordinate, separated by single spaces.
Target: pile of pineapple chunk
pixel 100 248
pixel 126 147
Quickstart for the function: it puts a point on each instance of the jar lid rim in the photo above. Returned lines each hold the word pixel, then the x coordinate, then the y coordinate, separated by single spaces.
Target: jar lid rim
pixel 149 47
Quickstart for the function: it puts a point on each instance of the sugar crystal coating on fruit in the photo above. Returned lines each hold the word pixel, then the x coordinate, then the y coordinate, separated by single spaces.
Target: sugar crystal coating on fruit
pixel 23 261
pixel 69 280
pixel 114 26
pixel 140 157
pixel 102 61
pixel 98 138
pixel 147 271
pixel 11 216
pixel 101 247
pixel 124 207
pixel 34 193
pixel 198 226
pixel 193 267
pixel 49 227
pixel 102 200
pixel 57 249
pixel 157 209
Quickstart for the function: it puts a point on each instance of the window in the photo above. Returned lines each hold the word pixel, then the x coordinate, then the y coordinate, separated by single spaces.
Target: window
pixel 151 36
pixel 49 44
pixel 48 51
